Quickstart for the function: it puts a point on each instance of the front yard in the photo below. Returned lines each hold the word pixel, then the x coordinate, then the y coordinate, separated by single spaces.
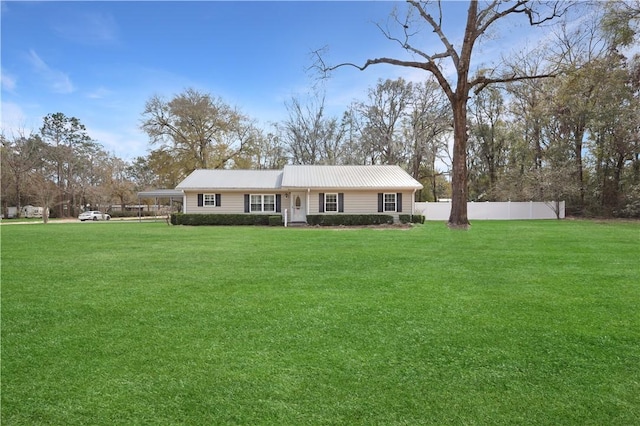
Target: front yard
pixel 532 322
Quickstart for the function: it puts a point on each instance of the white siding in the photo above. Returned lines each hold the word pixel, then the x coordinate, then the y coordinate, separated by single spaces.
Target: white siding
pixel 361 202
pixel 230 203
pixel 355 202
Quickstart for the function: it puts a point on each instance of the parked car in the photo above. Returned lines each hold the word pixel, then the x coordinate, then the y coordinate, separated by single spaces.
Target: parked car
pixel 93 215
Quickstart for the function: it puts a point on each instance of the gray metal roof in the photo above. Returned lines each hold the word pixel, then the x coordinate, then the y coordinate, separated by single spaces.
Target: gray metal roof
pixel 348 177
pixel 161 193
pixel 232 179
pixel 302 177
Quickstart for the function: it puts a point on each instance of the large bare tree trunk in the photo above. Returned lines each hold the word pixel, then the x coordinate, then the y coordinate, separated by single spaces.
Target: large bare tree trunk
pixel 458 216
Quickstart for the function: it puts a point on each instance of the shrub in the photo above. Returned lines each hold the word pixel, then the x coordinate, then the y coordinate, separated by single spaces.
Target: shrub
pixel 409 218
pixel 349 219
pixel 631 207
pixel 275 221
pixel 218 219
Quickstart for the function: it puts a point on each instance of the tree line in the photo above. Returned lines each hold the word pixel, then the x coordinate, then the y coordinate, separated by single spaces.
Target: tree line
pixel 571 133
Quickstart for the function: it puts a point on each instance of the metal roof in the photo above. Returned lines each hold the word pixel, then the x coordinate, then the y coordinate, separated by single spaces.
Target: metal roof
pixel 301 177
pixel 161 193
pixel 348 177
pixel 232 179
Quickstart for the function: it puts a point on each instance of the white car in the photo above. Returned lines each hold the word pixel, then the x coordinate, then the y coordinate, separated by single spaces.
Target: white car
pixel 93 215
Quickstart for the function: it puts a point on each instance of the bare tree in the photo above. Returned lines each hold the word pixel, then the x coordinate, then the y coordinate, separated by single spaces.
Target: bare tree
pixel 140 174
pixel 529 99
pixel 42 187
pixel 20 156
pixel 195 129
pixel 70 151
pixel 268 152
pixel 121 186
pixel 458 86
pixel 426 127
pixel 312 137
pixel 43 190
pixel 381 115
pixel 488 139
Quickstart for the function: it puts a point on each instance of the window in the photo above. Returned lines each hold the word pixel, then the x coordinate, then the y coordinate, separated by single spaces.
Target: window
pixel 269 203
pixel 209 200
pixel 330 202
pixel 256 203
pixel 389 202
pixel 263 203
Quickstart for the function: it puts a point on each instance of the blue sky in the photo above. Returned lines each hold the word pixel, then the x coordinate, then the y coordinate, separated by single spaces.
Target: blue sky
pixel 101 61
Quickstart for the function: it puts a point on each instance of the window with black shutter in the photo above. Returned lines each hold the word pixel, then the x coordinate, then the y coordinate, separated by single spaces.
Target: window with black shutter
pixel 389 202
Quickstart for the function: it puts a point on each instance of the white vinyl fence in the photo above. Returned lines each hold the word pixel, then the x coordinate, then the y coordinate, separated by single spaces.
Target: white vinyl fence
pixel 494 210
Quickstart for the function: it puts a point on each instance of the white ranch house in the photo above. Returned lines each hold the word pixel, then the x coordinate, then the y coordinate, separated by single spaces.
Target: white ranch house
pixel 298 191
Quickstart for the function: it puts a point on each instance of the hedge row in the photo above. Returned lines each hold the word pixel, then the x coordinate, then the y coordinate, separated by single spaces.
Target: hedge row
pixel 221 219
pixel 145 213
pixel 411 218
pixel 276 220
pixel 348 219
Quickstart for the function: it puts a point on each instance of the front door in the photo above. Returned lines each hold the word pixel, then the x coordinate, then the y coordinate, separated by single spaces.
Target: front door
pixel 298 207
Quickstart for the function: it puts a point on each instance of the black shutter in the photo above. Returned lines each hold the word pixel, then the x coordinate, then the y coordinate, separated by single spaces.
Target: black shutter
pixel 380 202
pixel 200 200
pixel 278 203
pixel 321 202
pixel 341 202
pixel 399 202
pixel 218 200
pixel 246 203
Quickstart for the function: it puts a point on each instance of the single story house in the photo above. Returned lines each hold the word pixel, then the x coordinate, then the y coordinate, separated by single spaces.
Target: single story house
pixel 298 191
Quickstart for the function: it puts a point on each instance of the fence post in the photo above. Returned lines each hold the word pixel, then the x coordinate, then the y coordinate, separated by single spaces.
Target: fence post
pixel 531 209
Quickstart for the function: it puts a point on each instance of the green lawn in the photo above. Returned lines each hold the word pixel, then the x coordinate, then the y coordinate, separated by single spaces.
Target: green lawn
pixel 531 322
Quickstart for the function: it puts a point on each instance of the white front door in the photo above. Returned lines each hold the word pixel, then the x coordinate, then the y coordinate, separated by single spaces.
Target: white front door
pixel 298 207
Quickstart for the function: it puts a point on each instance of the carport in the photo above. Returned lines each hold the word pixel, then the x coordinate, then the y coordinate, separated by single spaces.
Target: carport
pixel 171 194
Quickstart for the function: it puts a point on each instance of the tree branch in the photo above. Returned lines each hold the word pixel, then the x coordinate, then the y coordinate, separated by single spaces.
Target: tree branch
pixel 521 6
pixel 427 66
pixel 437 28
pixel 482 82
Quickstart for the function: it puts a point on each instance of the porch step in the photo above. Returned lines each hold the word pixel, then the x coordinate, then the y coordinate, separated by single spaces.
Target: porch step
pixel 297 224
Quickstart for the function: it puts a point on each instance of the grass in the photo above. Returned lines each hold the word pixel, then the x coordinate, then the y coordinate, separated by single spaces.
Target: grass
pixel 532 322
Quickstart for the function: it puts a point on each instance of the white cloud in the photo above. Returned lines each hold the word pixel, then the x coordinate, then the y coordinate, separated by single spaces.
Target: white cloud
pixel 58 81
pixel 8 81
pixel 99 93
pixel 91 28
